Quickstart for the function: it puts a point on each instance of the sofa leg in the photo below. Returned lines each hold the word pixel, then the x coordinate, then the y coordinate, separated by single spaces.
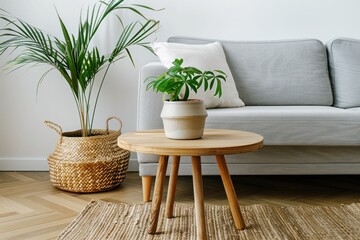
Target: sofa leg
pixel 146 187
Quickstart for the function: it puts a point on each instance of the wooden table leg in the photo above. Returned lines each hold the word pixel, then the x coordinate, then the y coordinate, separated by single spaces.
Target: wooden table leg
pixel 201 233
pixel 157 195
pixel 169 212
pixel 230 192
pixel 146 187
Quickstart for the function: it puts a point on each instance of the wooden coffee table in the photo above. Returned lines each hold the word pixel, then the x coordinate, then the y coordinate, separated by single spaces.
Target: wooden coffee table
pixel 217 142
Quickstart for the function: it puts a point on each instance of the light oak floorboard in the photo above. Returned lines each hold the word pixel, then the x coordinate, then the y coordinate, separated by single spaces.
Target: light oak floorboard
pixel 31 208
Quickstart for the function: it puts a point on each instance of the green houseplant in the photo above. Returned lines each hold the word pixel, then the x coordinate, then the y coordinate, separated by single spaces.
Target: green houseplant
pixel 79 63
pixel 87 160
pixel 184 118
pixel 178 81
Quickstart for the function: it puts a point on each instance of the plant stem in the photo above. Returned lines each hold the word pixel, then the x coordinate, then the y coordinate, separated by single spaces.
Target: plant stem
pixel 98 93
pixel 83 127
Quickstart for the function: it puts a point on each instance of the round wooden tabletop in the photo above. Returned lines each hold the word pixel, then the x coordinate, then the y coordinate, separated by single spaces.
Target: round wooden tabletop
pixel 214 142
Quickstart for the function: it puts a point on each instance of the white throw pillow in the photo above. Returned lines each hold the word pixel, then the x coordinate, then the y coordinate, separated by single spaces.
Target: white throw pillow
pixel 204 57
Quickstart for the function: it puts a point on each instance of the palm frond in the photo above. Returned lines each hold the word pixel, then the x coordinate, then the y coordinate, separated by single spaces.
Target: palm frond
pixel 130 38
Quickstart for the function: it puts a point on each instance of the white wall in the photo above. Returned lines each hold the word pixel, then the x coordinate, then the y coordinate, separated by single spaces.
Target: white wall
pixel 25 142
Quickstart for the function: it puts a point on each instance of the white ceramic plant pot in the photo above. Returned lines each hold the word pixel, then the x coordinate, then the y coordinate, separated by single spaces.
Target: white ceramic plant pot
pixel 184 119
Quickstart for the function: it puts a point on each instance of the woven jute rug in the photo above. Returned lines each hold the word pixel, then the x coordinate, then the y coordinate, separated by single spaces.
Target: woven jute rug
pixel 103 220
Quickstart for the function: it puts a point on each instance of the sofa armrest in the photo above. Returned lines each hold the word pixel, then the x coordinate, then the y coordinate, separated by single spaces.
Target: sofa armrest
pixel 149 103
pixel 149 107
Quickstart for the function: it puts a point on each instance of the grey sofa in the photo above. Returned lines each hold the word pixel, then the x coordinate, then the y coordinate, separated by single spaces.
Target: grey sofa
pixel 301 95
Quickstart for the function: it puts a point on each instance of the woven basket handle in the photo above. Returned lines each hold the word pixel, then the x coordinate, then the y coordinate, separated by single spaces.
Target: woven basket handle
pixel 55 127
pixel 116 118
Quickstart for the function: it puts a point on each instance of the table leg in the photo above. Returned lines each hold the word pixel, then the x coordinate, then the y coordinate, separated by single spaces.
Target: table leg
pixel 230 192
pixel 169 213
pixel 146 187
pixel 199 199
pixel 157 195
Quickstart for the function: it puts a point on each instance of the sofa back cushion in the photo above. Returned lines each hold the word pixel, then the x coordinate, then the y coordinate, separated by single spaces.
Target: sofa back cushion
pixel 291 72
pixel 344 61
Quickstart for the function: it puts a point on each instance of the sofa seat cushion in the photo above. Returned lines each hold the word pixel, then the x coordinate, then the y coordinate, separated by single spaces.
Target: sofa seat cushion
pixel 356 109
pixel 292 125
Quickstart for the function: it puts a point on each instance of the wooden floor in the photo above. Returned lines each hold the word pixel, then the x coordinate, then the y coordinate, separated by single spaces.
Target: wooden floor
pixel 31 208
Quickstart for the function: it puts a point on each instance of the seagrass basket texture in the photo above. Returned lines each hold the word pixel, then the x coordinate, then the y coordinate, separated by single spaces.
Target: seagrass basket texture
pixel 88 164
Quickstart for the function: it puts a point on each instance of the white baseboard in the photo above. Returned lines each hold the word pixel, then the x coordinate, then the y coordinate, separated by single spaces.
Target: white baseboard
pixel 23 164
pixel 40 164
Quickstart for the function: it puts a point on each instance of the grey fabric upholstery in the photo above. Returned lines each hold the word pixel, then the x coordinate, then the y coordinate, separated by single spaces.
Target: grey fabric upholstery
pixel 276 160
pixel 149 103
pixel 292 125
pixel 149 106
pixel 344 62
pixel 270 73
pixel 312 138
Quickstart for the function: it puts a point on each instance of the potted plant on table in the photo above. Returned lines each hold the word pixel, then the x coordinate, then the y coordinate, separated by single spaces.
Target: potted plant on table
pixel 87 160
pixel 184 118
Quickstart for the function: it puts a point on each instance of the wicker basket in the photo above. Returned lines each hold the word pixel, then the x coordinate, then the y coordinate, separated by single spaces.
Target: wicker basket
pixel 88 164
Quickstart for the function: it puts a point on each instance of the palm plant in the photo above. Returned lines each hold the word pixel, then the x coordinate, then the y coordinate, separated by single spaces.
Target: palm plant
pixel 73 56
